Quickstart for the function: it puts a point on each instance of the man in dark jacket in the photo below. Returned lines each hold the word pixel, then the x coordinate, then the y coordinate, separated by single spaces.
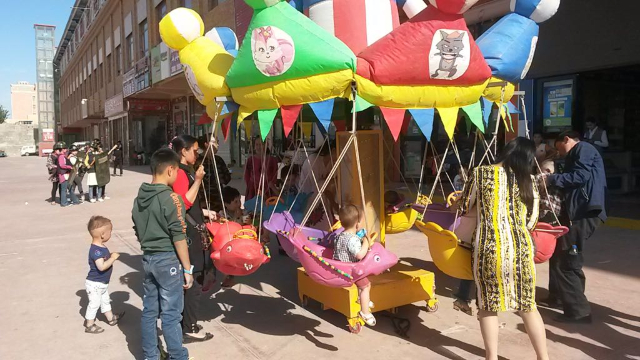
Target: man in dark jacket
pixel 585 185
pixel 118 158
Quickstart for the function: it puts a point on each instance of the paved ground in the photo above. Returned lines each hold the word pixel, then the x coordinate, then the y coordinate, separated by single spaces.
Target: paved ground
pixel 43 264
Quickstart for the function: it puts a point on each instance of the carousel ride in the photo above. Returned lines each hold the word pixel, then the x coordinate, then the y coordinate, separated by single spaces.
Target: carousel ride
pixel 287 60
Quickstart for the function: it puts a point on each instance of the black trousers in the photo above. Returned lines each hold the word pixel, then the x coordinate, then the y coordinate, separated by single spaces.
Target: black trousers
pixel 117 164
pixel 192 304
pixel 54 190
pixel 566 278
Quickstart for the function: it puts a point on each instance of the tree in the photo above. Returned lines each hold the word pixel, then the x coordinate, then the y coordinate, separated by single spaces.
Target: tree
pixel 4 114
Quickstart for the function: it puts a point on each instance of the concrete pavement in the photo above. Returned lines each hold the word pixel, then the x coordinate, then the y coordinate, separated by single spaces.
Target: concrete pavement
pixel 43 264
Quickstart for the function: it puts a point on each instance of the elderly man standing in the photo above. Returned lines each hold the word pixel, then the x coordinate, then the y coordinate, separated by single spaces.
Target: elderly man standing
pixel 585 185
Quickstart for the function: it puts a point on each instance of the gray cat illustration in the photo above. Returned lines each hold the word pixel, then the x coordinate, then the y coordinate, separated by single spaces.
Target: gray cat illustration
pixel 450 48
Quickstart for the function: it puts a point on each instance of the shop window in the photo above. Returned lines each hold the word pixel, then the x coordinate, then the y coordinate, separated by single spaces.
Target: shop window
pixel 101 76
pixel 213 4
pixel 108 68
pixel 161 11
pixel 144 38
pixel 130 52
pixel 118 55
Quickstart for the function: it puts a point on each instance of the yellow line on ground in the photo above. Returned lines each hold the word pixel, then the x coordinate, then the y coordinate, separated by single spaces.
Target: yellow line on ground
pixel 629 224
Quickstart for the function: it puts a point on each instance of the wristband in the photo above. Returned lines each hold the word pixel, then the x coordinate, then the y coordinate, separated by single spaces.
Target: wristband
pixel 190 271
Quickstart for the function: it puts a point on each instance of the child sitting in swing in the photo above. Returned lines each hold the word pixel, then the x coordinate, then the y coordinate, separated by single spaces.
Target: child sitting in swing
pixel 349 247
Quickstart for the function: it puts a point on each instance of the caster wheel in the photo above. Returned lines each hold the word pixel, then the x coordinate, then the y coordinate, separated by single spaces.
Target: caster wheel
pixel 355 329
pixel 433 308
pixel 305 301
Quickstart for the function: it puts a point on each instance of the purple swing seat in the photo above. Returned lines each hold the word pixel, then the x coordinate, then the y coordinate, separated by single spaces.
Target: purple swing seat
pixel 283 222
pixel 317 259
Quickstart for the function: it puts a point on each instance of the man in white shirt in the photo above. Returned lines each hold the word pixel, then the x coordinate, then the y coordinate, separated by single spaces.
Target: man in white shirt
pixel 595 135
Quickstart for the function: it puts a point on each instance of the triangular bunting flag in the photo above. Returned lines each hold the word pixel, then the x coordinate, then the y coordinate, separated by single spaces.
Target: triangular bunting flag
pixel 487 105
pixel 469 125
pixel 424 120
pixel 243 113
pixel 234 125
pixel 229 107
pixel 247 128
pixel 394 119
pixel 512 108
pixel 289 117
pixel 265 118
pixel 508 113
pixel 503 113
pixel 361 104
pixel 474 111
pixel 449 117
pixel 225 127
pixel 405 123
pixel 323 111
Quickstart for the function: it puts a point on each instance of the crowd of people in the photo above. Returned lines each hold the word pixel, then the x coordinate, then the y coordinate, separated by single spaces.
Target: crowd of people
pixel 69 165
pixel 521 188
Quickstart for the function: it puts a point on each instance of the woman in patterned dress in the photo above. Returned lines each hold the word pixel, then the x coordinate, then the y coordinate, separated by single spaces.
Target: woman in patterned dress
pixel 506 198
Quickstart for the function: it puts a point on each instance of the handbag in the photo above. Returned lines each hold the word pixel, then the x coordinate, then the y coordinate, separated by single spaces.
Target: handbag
pixel 202 230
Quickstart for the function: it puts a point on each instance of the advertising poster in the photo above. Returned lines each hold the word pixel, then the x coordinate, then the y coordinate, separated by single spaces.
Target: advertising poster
pixel 47 135
pixel 557 101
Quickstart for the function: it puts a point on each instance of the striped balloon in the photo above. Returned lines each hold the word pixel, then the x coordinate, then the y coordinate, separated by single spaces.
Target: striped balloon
pixel 536 10
pixel 359 23
pixel 453 6
pixel 224 37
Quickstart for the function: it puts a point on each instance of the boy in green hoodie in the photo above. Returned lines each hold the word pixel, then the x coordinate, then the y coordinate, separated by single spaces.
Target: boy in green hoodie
pixel 159 221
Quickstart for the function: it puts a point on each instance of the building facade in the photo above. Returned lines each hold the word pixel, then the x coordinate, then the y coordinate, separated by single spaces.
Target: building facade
pixel 24 104
pixel 119 82
pixel 45 48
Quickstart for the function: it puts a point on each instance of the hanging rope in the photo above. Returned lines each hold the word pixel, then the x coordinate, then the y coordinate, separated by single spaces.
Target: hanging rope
pixel 315 182
pixel 307 176
pixel 404 180
pixel 424 162
pixel 284 183
pixel 433 188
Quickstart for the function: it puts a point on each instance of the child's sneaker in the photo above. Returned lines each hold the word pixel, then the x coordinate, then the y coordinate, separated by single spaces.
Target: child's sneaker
pixel 106 197
pixel 92 200
pixel 101 200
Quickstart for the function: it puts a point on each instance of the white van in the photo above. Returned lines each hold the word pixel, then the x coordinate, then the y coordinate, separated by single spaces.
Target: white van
pixel 28 150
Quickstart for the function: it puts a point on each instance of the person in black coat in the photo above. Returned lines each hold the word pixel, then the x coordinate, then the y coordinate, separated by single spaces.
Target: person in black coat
pixel 584 183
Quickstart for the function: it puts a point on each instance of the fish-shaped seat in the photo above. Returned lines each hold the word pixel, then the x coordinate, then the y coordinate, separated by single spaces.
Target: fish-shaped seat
pixel 235 249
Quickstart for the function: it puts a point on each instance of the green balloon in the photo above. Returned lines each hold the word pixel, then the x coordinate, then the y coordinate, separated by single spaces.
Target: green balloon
pixel 261 4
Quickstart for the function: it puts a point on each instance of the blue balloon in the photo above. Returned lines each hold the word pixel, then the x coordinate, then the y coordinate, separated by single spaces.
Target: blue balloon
pixel 508 47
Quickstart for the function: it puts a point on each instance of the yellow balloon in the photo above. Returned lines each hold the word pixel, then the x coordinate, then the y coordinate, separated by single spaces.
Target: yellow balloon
pixel 494 93
pixel 182 30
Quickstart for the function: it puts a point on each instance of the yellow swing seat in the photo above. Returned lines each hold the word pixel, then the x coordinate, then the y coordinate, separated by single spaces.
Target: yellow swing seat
pixel 447 253
pixel 400 221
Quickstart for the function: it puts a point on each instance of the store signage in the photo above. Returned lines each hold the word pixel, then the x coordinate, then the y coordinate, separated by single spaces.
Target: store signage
pixel 557 102
pixel 142 105
pixel 156 74
pixel 129 83
pixel 114 105
pixel 174 62
pixel 47 135
pixel 142 74
pixel 165 68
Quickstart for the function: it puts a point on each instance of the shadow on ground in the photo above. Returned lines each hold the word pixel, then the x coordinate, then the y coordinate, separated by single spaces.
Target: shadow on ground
pixel 129 325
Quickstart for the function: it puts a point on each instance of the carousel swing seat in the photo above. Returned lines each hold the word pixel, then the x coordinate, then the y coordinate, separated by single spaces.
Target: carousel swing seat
pixel 545 237
pixel 281 224
pixel 319 265
pixel 401 220
pixel 235 249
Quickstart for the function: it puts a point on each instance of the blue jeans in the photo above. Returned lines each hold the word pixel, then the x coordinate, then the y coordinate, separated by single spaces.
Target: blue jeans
pixel 94 191
pixel 65 194
pixel 163 296
pixel 464 290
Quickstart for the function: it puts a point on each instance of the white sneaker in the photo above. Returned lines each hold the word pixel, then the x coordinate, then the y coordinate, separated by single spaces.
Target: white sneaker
pixel 106 198
pixel 92 200
pixel 101 200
